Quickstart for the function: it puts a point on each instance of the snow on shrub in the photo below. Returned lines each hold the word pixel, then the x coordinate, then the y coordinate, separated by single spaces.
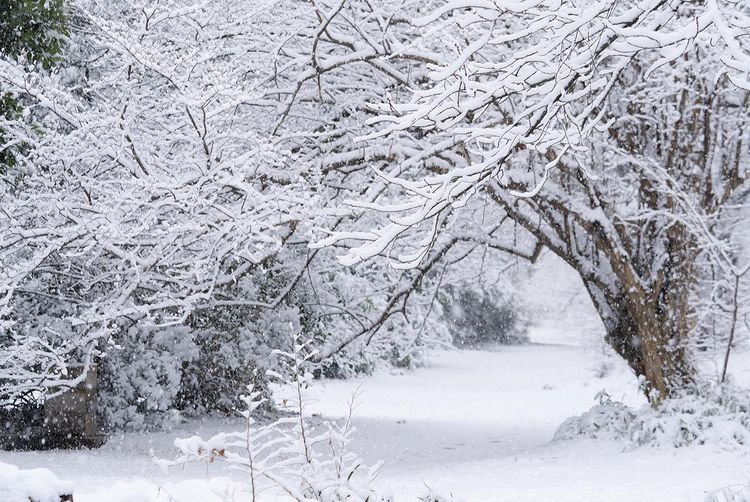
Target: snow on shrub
pixel 150 377
pixel 141 376
pixel 730 494
pixel 710 414
pixel 37 485
pixel 607 420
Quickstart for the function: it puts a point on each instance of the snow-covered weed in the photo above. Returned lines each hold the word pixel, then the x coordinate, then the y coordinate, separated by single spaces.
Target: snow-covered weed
pixel 432 496
pixel 291 455
pixel 710 414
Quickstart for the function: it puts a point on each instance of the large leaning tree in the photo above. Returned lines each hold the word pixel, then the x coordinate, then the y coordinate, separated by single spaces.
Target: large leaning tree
pixel 614 133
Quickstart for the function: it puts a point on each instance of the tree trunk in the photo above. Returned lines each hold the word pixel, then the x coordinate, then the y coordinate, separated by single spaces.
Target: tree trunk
pixel 648 331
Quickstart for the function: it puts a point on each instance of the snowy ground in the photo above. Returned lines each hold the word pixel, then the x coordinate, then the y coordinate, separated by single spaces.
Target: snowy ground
pixel 474 423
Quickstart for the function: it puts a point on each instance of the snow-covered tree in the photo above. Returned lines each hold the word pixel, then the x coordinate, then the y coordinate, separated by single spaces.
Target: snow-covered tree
pixel 140 190
pixel 172 168
pixel 613 133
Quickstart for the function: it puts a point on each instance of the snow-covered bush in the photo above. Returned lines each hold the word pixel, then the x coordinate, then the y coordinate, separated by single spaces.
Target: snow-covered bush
pixel 712 415
pixel 476 317
pixel 150 376
pixel 606 420
pixel 709 414
pixel 141 375
pixel 232 343
pixel 35 485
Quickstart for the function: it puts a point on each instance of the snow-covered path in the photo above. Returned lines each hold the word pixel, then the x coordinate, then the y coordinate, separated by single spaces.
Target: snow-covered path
pixel 476 423
pixel 472 405
pixel 479 424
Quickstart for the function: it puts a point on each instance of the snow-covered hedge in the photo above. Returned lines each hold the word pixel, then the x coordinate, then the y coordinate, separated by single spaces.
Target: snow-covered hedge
pixel 717 415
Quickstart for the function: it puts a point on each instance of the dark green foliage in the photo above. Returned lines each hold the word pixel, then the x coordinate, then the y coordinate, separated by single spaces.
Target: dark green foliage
pixel 18 426
pixel 220 372
pixel 9 110
pixel 34 30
